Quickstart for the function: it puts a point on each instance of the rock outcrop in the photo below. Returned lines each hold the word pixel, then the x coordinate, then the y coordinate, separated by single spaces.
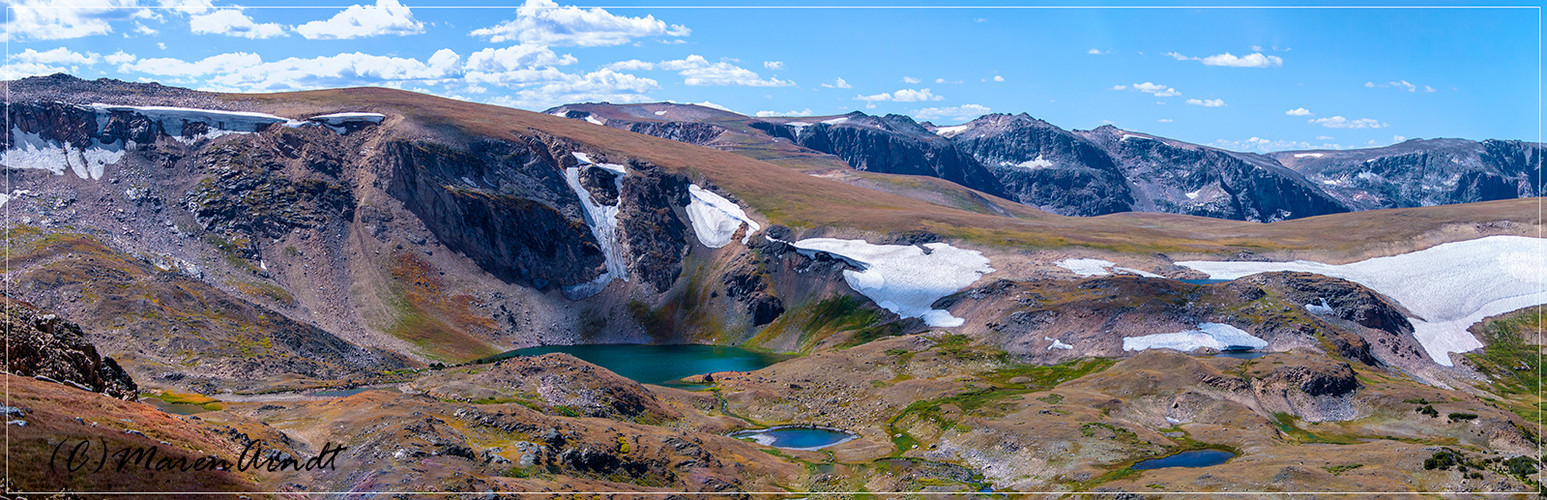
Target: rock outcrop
pixel 43 345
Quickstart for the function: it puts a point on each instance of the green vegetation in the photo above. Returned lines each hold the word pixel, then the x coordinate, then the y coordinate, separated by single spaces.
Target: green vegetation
pixel 1287 424
pixel 1512 360
pixel 1456 417
pixel 1429 410
pixel 260 289
pixel 1338 470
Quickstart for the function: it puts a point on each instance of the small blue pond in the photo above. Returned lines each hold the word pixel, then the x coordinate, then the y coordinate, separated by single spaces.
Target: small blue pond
pixel 1204 282
pixel 795 437
pixel 657 364
pixel 1194 458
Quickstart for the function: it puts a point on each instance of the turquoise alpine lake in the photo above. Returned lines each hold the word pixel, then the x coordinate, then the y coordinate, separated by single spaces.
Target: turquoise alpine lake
pixel 1239 354
pixel 1204 282
pixel 658 364
pixel 795 437
pixel 1194 458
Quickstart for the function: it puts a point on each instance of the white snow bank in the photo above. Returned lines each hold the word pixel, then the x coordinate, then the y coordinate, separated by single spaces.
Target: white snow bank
pixel 800 127
pixel 1057 344
pixel 716 219
pixel 1218 336
pixel 342 118
pixel 172 118
pixel 34 152
pixel 1448 287
pixel 1321 308
pixel 603 220
pixel 593 119
pixel 836 121
pixel 1099 267
pixel 1035 164
pixel 905 279
pixel 660 113
pixel 1308 155
pixel 4 198
pixel 951 131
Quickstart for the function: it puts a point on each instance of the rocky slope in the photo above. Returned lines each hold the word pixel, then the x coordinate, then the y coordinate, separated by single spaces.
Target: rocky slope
pixel 43 346
pixel 1423 172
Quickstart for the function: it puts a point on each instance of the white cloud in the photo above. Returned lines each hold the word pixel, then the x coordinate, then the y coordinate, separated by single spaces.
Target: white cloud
pixel 165 66
pixel 1341 122
pixel 708 104
pixel 1207 103
pixel 1166 120
pixel 803 112
pixel 55 20
pixel 698 71
pixel 161 45
pixel 1398 138
pixel 1094 52
pixel 119 57
pixel 998 78
pixel 59 55
pixel 910 80
pixel 1252 60
pixel 942 80
pixel 386 17
pixel 1299 112
pixel 544 22
pixel 773 65
pixel 963 113
pixel 486 64
pixel 1154 89
pixel 1399 85
pixel 1324 138
pixel 22 70
pixel 232 22
pixel 838 84
pixel 902 95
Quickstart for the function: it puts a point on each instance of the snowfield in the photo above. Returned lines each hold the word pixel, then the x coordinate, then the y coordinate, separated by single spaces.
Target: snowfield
pixel 173 118
pixel 1035 164
pixel 716 219
pixel 904 279
pixel 1448 287
pixel 950 131
pixel 342 118
pixel 1099 267
pixel 34 152
pixel 1218 336
pixel 1057 344
pixel 1308 155
pixel 603 220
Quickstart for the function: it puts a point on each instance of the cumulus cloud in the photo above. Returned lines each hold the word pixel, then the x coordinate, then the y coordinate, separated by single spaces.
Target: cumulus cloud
pixel 698 71
pixel 1207 103
pixel 49 20
pixel 1252 60
pixel 232 22
pixel 910 80
pixel 1154 89
pixel 1094 52
pixel 1341 122
pixel 544 22
pixel 773 65
pixel 942 80
pixel 902 95
pixel 998 78
pixel 1299 112
pixel 803 112
pixel 386 17
pixel 59 55
pixel 838 84
pixel 962 113
pixel 1166 120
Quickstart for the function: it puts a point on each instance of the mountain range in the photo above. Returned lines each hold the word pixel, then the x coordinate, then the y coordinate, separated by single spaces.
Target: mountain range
pixel 1000 305
pixel 1107 170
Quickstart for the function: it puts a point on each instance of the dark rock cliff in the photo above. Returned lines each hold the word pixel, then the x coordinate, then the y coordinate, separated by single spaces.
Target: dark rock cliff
pixel 1424 172
pixel 519 229
pixel 1047 167
pixel 43 345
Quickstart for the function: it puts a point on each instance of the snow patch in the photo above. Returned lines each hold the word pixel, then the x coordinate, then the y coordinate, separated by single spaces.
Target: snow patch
pixel 904 279
pixel 32 151
pixel 1099 267
pixel 952 131
pixel 716 219
pixel 660 113
pixel 1194 195
pixel 1321 308
pixel 593 119
pixel 1217 336
pixel 13 195
pixel 798 126
pixel 836 121
pixel 174 118
pixel 1035 164
pixel 1057 344
pixel 603 220
pixel 1448 287
pixel 342 118
pixel 1309 155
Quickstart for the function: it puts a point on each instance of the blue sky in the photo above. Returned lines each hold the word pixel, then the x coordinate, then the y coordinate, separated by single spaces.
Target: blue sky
pixel 1256 79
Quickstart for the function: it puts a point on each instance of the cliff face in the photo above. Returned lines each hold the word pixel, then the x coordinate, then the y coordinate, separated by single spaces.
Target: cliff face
pixel 1045 166
pixel 39 344
pixel 1424 172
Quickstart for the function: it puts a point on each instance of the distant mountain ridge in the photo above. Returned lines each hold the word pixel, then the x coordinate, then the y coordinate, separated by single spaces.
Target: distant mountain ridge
pixel 1107 170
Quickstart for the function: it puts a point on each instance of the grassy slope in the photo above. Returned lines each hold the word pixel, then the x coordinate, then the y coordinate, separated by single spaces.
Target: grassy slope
pixel 786 196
